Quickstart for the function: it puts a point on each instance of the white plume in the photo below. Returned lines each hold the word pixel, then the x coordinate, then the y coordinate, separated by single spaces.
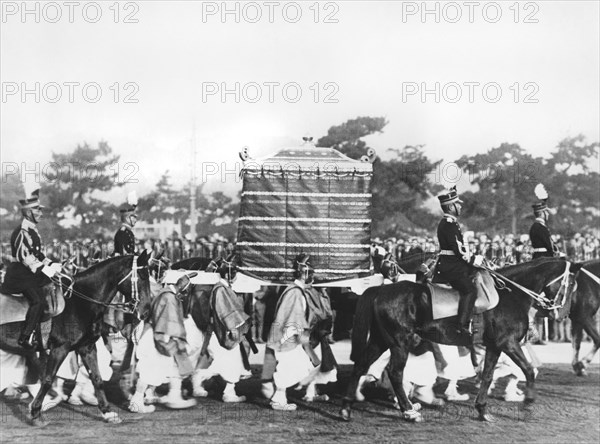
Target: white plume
pixel 540 192
pixel 31 186
pixel 132 198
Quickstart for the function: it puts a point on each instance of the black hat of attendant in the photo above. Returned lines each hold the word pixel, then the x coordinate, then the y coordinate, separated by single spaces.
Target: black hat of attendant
pixel 302 260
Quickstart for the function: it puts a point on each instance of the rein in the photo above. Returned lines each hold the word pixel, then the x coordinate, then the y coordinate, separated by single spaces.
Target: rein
pixel 592 276
pixel 125 307
pixel 541 298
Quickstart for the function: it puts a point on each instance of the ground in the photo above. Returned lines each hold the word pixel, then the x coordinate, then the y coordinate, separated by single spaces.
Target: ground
pixel 567 410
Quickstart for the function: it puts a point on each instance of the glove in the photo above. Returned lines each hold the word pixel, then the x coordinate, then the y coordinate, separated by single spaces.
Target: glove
pixel 49 271
pixel 56 267
pixel 477 260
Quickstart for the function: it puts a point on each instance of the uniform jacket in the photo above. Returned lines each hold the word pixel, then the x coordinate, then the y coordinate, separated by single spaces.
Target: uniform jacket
pixel 29 259
pixel 540 238
pixel 124 241
pixel 450 238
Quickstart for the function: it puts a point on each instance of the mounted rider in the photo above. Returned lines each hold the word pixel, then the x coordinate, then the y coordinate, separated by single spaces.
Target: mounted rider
pixel 124 237
pixel 30 270
pixel 455 265
pixel 539 234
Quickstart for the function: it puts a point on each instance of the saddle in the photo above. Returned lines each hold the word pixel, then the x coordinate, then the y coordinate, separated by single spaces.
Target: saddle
pixel 13 307
pixel 444 299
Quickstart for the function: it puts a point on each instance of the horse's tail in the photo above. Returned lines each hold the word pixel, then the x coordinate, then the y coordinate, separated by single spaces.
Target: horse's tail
pixel 362 324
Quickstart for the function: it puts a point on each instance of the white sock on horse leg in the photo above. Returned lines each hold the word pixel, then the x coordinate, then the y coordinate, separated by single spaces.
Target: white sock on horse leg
pixel 311 390
pixel 230 389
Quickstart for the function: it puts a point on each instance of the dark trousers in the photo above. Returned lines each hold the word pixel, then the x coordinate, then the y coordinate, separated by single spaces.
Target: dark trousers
pixel 37 305
pixel 468 295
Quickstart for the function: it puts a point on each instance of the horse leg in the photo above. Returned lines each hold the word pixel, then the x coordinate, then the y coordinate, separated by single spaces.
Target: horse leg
pixel 576 336
pixel 396 373
pixel 56 358
pixel 491 359
pixel 590 329
pixel 372 352
pixel 90 359
pixel 515 352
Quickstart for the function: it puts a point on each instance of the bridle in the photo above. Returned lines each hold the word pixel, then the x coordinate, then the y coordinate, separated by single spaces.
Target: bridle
pixel 545 303
pixel 129 307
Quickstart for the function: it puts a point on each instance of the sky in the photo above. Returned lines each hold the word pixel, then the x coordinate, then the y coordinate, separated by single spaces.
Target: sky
pixel 151 77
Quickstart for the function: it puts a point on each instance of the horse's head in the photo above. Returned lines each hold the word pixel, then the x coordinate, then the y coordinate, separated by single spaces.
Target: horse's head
pixel 158 265
pixel 135 286
pixel 550 282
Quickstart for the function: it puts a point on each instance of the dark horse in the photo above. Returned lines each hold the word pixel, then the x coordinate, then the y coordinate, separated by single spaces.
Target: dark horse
pixel 391 316
pixel 79 326
pixel 584 306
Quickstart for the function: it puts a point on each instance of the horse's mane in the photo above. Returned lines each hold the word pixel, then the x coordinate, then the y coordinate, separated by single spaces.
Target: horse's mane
pixel 592 264
pixel 527 266
pixel 94 268
pixel 199 263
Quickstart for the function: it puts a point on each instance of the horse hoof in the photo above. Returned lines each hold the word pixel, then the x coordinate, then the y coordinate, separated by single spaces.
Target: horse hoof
pixel 412 416
pixel 111 418
pixel 486 417
pixel 579 369
pixel 38 422
pixel 345 413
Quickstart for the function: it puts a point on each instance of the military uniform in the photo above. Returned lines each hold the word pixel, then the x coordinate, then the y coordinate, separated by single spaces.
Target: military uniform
pixel 124 241
pixel 30 270
pixel 25 272
pixel 454 266
pixel 540 240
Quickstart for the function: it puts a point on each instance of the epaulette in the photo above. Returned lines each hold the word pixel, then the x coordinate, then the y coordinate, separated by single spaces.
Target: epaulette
pixel 449 219
pixel 123 229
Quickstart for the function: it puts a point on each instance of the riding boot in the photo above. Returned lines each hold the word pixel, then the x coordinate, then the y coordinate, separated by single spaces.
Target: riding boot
pixel 32 319
pixel 465 309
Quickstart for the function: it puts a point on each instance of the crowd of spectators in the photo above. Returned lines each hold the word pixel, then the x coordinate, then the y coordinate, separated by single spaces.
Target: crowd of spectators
pixel 500 250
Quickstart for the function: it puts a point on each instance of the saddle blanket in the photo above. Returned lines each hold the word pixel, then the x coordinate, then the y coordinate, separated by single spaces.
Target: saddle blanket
pixel 444 299
pixel 13 308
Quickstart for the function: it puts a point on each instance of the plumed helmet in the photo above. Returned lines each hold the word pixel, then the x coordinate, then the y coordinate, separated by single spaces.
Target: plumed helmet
pixel 540 207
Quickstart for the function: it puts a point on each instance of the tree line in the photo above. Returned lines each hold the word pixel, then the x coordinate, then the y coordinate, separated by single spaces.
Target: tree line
pixel 405 183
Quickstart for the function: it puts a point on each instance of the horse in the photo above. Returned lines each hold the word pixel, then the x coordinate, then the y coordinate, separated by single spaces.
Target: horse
pixel 391 316
pixel 584 306
pixel 79 326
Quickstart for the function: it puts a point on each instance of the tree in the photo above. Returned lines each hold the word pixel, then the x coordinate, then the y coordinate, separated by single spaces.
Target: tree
pixel 72 189
pixel 346 137
pixel 572 180
pixel 505 176
pixel 11 192
pixel 399 185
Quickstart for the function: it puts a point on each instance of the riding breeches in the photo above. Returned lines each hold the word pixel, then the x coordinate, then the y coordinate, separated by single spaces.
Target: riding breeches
pixel 37 305
pixel 468 295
